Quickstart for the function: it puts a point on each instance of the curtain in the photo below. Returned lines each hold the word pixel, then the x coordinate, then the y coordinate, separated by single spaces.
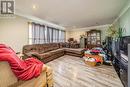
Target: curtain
pixel 54 35
pixel 61 36
pixel 36 33
pixel 42 34
pixel 50 34
pixel 39 34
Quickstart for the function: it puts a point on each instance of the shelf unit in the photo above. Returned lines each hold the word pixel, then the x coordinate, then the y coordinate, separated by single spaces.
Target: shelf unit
pixel 93 38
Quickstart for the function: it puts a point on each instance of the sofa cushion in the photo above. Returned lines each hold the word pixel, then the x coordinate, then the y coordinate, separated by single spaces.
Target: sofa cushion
pixel 55 46
pixel 54 52
pixel 29 54
pixel 77 51
pixel 45 55
pixel 30 48
pixel 33 54
pixel 48 47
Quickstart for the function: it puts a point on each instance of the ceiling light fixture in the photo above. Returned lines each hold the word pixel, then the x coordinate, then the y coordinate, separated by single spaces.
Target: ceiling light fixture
pixel 34 6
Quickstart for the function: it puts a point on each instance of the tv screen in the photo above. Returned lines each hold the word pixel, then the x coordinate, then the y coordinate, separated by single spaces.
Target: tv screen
pixel 115 47
pixel 124 41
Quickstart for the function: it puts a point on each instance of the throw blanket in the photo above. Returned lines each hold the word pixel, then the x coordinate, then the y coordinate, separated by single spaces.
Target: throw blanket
pixel 23 69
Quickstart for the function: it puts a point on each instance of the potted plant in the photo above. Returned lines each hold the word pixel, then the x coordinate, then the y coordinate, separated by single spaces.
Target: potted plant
pixel 112 32
pixel 120 32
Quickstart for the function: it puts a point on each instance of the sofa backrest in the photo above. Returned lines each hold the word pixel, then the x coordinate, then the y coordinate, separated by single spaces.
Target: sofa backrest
pixel 40 48
pixel 7 77
pixel 30 48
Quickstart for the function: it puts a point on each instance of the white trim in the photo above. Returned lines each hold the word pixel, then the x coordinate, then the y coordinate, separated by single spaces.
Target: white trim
pixel 122 12
pixel 38 20
pixel 88 28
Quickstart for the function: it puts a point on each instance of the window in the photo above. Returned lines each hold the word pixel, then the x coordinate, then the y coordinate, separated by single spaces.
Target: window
pixel 55 35
pixel 36 33
pixel 62 36
pixel 39 34
pixel 49 34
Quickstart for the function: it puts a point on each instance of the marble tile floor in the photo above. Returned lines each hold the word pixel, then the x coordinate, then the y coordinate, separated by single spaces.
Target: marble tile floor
pixel 70 71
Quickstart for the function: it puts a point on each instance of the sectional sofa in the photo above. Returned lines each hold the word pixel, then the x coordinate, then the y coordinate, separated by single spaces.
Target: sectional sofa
pixel 50 51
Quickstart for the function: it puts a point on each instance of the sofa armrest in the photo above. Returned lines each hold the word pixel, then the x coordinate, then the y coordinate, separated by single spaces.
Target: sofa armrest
pixel 49 77
pixel 40 81
pixel 17 84
pixel 33 54
pixel 45 79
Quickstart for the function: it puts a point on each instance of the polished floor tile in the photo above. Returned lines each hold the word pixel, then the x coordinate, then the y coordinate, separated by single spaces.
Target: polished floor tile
pixel 70 71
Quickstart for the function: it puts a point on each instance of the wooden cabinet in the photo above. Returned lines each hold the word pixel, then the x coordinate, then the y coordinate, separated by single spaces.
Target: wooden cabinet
pixel 93 38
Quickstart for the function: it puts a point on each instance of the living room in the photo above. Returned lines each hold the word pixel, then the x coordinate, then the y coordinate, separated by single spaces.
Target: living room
pixel 62 43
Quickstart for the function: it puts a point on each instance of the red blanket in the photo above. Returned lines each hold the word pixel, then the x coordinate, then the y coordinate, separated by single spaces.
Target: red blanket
pixel 23 69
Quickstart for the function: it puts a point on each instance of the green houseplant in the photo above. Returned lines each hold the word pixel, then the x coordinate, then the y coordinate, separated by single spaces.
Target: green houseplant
pixel 120 32
pixel 114 32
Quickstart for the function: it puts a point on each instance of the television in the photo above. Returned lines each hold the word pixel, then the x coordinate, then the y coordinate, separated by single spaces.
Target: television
pixel 115 48
pixel 124 41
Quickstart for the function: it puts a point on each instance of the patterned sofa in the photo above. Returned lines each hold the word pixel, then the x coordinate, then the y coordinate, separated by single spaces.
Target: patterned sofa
pixel 49 51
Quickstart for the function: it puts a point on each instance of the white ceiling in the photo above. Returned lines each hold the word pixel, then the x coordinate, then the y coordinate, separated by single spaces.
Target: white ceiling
pixel 73 13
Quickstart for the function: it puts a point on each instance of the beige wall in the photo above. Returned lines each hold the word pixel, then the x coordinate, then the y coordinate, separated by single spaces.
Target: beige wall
pixel 77 32
pixel 74 34
pixel 14 32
